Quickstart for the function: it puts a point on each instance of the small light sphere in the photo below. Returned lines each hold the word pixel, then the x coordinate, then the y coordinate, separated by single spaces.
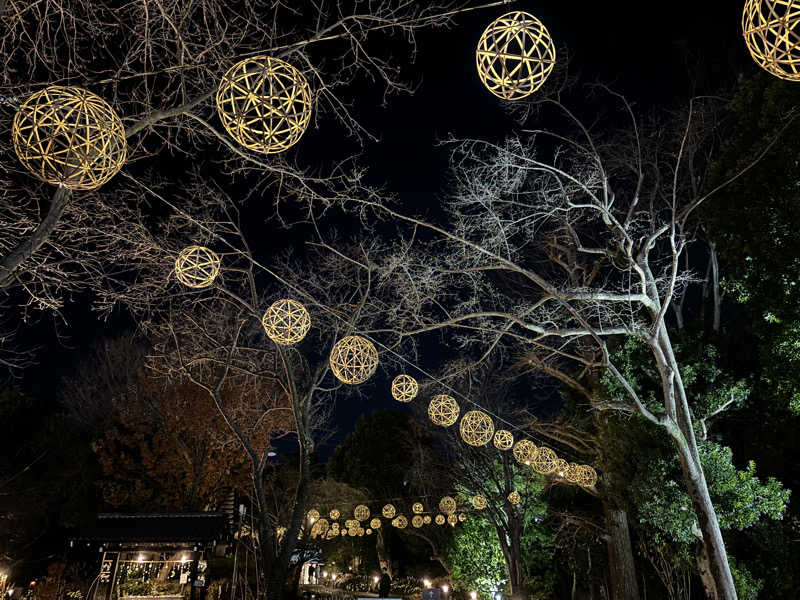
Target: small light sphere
pixel 388 511
pixel 561 468
pixel 69 137
pixel 417 508
pixel 545 461
pixel 588 476
pixel 515 55
pixel 404 388
pixel 443 410
pixel 452 519
pixel 447 505
pixel 462 517
pixel 476 428
pixel 375 523
pixel 264 103
pixel 503 439
pixel 445 588
pixel 514 497
pixel 354 359
pixel 771 30
pixel 479 502
pixel 334 514
pixel 473 595
pixel 400 522
pixel 525 452
pixel 369 531
pixel 426 519
pixel 313 514
pixel 343 532
pixel 197 266
pixel 574 473
pixel 440 520
pixel 417 521
pixel 286 322
pixel 361 512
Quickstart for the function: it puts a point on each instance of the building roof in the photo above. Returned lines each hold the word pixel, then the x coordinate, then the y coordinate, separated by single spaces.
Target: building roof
pixel 164 528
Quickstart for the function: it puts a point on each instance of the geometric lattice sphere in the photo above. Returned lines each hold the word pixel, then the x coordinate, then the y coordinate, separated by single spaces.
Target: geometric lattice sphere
pixel 452 519
pixel 525 452
pixel 426 519
pixel 574 473
pixel 375 523
pixel 503 439
pixel 440 519
pixel 354 359
pixel 417 508
pixel 286 322
pixel 447 505
pixel 479 502
pixel 545 461
pixel 197 266
pixel 388 511
pixel 514 497
pixel 588 476
pixel 69 137
pixel 264 103
pixel 515 55
pixel 313 514
pixel 443 410
pixel 417 521
pixel 561 467
pixel 361 512
pixel 771 31
pixel 400 521
pixel 476 428
pixel 404 388
pixel 334 514
pixel 462 517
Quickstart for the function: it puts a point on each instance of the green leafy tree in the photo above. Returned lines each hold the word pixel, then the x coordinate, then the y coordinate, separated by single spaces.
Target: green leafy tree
pixel 476 558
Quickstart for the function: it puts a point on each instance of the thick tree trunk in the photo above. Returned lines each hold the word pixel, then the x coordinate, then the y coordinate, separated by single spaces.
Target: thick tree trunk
pixel 384 560
pixel 622 569
pixel 704 571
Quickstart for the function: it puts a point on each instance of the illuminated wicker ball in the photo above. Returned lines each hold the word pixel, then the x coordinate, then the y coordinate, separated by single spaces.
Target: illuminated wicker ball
pixel 503 439
pixel 440 519
pixel 447 505
pixel 417 521
pixel 400 522
pixel 319 527
pixel 334 525
pixel 331 534
pixel 479 501
pixel 452 519
pixel 69 137
pixel 515 55
pixel 525 452
pixel 369 531
pixel 361 532
pixel 334 514
pixel 264 103
pixel 462 517
pixel 561 467
pixel 588 476
pixel 574 473
pixel 771 31
pixel 361 512
pixel 426 519
pixel 443 410
pixel 313 514
pixel 417 508
pixel 352 524
pixel 197 266
pixel 352 532
pixel 388 511
pixel 375 523
pixel 354 359
pixel 476 428
pixel 343 532
pixel 514 497
pixel 286 322
pixel 404 388
pixel 545 461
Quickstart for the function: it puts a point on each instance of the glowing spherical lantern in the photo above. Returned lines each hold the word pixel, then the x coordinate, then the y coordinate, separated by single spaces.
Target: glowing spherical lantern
pixel 440 519
pixel 417 521
pixel 426 519
pixel 574 473
pixel 515 55
pixel 286 322
pixel 352 524
pixel 479 501
pixel 476 428
pixel 334 514
pixel 264 103
pixel 312 515
pixel 525 452
pixel 417 508
pixel 443 410
pixel 503 439
pixel 369 531
pixel 375 523
pixel 361 512
pixel 404 388
pixel 514 497
pixel 771 31
pixel 70 137
pixel 462 517
pixel 343 532
pixel 545 461
pixel 400 521
pixel 320 527
pixel 388 511
pixel 588 476
pixel 561 468
pixel 447 505
pixel 354 359
pixel 452 519
pixel 197 266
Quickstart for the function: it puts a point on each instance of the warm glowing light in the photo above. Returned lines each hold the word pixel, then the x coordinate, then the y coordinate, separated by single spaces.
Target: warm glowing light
pixel 445 588
pixel 375 579
pixel 473 595
pixel 324 573
pixel 184 559
pixel 140 558
pixel 426 583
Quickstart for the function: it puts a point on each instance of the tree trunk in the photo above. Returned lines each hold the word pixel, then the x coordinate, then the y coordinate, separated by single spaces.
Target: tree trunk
pixel 622 569
pixel 384 560
pixel 704 571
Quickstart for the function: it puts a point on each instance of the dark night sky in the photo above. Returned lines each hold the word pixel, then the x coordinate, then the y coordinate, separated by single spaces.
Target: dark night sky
pixel 650 51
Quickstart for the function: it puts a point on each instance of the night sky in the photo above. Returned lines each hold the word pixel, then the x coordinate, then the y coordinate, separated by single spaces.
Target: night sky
pixel 652 52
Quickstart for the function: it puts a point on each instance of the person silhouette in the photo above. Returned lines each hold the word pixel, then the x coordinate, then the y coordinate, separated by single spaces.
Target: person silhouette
pixel 384 585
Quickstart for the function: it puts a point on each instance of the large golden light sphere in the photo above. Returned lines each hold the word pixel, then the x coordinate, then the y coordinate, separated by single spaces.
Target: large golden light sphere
pixel 400 521
pixel 443 410
pixel 574 473
pixel 361 512
pixel 525 452
pixel 264 103
pixel 334 514
pixel 388 511
pixel 771 31
pixel 69 137
pixel 417 508
pixel 286 322
pixel 447 505
pixel 404 388
pixel 503 439
pixel 197 266
pixel 479 501
pixel 417 521
pixel 545 461
pixel 476 428
pixel 375 523
pixel 514 497
pixel 354 359
pixel 312 515
pixel 588 476
pixel 515 55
